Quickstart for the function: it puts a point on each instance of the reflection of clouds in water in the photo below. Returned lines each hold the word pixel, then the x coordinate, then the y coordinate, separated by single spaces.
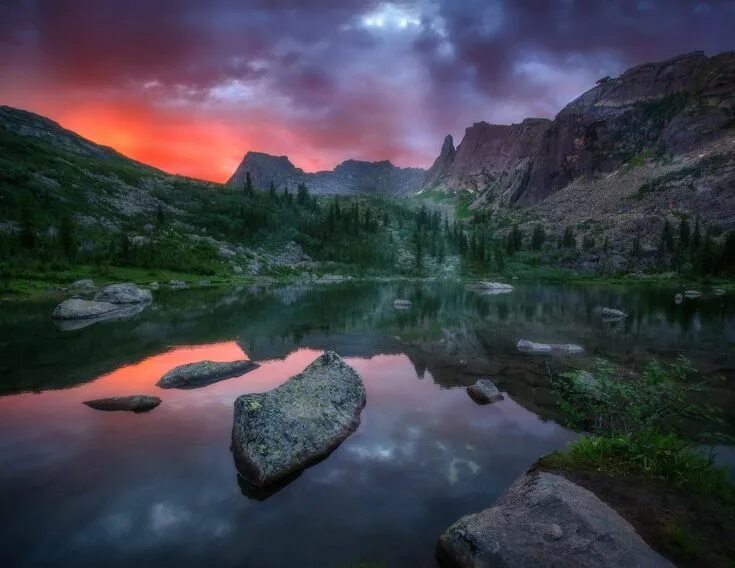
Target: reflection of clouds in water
pixel 453 473
pixel 165 516
pixel 377 452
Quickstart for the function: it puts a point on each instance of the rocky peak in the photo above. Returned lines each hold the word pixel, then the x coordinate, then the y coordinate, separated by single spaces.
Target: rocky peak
pixel 351 176
pixel 441 165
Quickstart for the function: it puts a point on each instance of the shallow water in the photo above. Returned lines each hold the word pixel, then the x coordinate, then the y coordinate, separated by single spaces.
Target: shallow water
pixel 85 488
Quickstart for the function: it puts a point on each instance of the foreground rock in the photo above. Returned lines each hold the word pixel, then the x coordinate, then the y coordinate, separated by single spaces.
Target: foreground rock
pixel 126 293
pixel 203 373
pixel 545 520
pixel 133 403
pixel 484 392
pixel 562 348
pixel 278 433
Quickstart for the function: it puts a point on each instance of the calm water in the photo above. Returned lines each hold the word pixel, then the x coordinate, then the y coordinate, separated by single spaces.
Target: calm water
pixel 87 488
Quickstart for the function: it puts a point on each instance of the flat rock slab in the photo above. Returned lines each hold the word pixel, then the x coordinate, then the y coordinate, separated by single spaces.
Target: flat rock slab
pixel 203 373
pixel 613 314
pixel 278 433
pixel 484 392
pixel 133 403
pixel 545 520
pixel 554 348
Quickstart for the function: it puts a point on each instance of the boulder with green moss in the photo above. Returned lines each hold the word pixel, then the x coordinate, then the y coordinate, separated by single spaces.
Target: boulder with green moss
pixel 278 433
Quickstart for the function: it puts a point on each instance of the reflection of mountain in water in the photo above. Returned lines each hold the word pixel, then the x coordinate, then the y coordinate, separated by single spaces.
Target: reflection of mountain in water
pixel 453 334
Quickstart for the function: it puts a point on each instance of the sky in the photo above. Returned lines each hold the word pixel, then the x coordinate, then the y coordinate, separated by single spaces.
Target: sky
pixel 190 86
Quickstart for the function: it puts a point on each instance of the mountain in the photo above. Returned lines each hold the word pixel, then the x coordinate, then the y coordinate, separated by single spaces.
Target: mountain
pixel 349 177
pixel 658 139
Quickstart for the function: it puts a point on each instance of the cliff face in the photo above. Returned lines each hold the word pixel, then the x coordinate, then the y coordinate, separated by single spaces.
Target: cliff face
pixel 349 177
pixel 667 108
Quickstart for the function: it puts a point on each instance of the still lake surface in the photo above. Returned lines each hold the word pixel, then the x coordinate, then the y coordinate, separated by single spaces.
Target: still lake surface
pixel 81 487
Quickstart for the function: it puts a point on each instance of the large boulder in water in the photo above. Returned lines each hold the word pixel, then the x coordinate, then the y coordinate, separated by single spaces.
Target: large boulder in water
pixel 194 375
pixel 134 403
pixel 126 293
pixel 76 308
pixel 545 520
pixel 278 433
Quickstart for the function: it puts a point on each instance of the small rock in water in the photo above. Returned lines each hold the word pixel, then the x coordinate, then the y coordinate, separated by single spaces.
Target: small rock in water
pixel 613 314
pixel 203 373
pixel 546 520
pixel 678 298
pixel 484 392
pixel 692 294
pixel 154 285
pixel 490 288
pixel 126 293
pixel 402 304
pixel 532 347
pixel 133 403
pixel 278 433
pixel 179 284
pixel 719 292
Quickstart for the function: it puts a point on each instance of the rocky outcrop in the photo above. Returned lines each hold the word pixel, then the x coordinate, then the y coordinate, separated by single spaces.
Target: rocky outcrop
pixel 492 160
pixel 349 177
pixel 484 391
pixel 126 293
pixel 203 373
pixel 545 520
pixel 132 403
pixel 665 108
pixel 278 433
pixel 439 169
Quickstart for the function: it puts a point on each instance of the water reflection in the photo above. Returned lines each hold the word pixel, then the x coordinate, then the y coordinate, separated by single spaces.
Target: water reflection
pixel 83 487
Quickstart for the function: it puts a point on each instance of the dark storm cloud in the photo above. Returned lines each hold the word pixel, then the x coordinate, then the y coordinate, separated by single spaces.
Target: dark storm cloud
pixel 327 80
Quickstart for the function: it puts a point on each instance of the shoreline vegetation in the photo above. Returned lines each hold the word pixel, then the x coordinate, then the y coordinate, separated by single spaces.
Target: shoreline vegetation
pixel 643 452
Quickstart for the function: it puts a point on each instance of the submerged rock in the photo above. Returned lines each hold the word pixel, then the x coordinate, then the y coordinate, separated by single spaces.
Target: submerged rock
pixel 719 291
pixel 126 293
pixel 203 373
pixel 133 403
pixel 692 294
pixel 484 392
pixel 402 304
pixel 678 298
pixel 563 348
pixel 613 314
pixel 280 432
pixel 490 288
pixel 76 308
pixel 545 520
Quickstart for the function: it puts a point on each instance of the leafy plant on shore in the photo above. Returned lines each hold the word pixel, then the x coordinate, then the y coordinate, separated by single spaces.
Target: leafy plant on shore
pixel 645 425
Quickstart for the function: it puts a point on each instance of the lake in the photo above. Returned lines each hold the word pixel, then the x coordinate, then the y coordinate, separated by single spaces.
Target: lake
pixel 88 488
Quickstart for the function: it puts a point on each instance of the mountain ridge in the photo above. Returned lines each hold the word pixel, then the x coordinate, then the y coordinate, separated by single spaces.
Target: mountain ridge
pixel 349 177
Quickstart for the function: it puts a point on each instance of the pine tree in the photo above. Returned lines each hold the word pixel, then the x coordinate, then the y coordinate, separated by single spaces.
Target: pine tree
pixel 727 255
pixel 696 236
pixel 248 187
pixel 568 240
pixel 667 237
pixel 67 237
pixel 538 237
pixel 684 234
pixel 28 237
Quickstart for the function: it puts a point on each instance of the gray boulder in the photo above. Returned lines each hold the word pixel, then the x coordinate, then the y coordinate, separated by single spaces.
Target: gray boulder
pixel 76 308
pixel 278 433
pixel 133 403
pixel 484 392
pixel 203 373
pixel 126 293
pixel 545 520
pixel 400 304
pixel 84 284
pixel 178 284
